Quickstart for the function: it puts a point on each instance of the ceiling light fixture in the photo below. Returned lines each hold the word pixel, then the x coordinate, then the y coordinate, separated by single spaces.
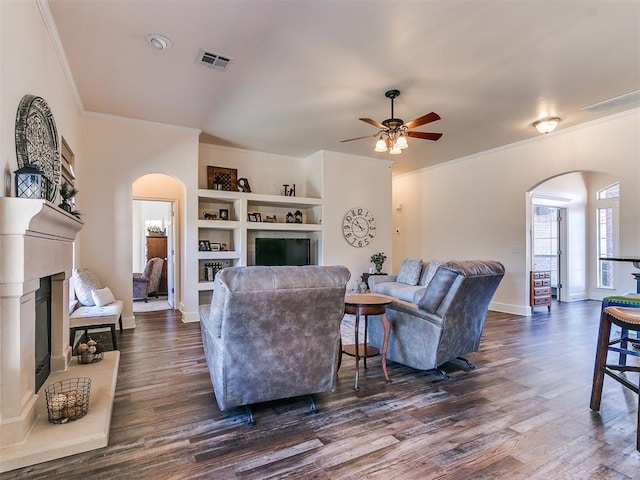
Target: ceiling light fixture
pixel 158 41
pixel 392 137
pixel 546 125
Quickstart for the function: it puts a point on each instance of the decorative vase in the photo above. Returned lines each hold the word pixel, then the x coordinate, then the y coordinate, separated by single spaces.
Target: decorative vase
pixel 378 267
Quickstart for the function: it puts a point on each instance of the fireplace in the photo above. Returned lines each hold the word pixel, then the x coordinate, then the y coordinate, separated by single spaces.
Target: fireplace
pixel 36 261
pixel 43 331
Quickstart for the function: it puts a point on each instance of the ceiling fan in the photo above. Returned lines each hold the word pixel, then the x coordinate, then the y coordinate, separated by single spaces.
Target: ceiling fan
pixel 393 131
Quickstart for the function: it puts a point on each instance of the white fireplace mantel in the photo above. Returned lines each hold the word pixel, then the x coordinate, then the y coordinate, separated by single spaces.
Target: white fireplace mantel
pixel 36 240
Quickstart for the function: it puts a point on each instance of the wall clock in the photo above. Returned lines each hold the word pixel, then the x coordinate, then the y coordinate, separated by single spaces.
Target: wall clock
pixel 37 141
pixel 359 227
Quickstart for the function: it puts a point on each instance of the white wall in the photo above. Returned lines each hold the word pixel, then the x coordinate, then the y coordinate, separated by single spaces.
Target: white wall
pixel 476 207
pixel 266 172
pixel 30 66
pixel 119 151
pixel 342 181
pixel 351 181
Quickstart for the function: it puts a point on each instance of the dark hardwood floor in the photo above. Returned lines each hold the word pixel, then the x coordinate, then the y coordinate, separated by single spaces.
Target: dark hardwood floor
pixel 523 413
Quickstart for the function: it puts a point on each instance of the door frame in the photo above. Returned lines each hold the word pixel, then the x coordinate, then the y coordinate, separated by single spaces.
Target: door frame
pixel 171 245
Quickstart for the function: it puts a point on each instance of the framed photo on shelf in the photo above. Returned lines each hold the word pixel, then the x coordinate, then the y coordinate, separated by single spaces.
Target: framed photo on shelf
pixel 223 214
pixel 216 247
pixel 204 246
pixel 219 178
pixel 251 217
pixel 258 217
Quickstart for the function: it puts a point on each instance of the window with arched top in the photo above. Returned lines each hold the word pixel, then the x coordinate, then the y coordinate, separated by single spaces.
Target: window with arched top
pixel 606 231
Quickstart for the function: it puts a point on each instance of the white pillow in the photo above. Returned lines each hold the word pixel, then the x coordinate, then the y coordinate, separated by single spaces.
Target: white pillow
pixel 83 283
pixel 410 271
pixel 102 297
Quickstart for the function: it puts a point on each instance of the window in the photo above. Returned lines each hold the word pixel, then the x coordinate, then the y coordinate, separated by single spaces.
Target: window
pixel 606 221
pixel 612 191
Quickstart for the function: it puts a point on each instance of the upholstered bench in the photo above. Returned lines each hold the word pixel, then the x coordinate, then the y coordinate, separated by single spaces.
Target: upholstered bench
pixel 98 308
pixel 93 317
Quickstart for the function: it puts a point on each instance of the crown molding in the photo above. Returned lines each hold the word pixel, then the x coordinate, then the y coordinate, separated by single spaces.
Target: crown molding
pixel 50 24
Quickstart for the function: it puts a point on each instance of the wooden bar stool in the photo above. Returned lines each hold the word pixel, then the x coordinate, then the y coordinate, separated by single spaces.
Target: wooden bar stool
pixel 628 319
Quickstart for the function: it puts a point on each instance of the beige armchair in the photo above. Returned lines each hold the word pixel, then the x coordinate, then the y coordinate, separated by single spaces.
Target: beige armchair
pixel 146 283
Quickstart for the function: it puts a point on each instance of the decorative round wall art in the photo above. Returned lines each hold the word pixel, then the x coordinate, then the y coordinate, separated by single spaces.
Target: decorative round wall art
pixel 37 141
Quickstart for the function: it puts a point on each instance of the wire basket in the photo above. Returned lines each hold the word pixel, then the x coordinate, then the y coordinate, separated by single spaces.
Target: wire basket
pixel 68 399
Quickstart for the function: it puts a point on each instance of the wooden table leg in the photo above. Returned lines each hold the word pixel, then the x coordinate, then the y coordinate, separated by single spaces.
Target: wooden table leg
pixel 357 325
pixel 385 344
pixel 364 341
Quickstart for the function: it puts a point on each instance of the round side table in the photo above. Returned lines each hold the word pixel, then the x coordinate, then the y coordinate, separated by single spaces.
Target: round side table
pixel 368 304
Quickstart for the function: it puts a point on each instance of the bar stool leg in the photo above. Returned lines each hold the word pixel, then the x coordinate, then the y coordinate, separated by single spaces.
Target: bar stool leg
pixel 601 361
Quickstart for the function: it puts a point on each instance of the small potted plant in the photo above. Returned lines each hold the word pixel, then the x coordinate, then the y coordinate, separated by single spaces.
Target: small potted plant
pixel 156 232
pixel 67 194
pixel 378 260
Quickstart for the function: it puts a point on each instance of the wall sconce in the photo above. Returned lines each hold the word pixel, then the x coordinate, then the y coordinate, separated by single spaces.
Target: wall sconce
pixel 546 125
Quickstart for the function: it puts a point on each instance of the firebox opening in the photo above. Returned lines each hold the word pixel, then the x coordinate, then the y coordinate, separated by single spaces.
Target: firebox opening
pixel 43 332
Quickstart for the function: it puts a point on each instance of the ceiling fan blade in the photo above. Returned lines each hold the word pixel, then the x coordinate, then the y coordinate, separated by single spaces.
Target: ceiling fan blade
pixel 428 118
pixel 374 123
pixel 424 135
pixel 359 138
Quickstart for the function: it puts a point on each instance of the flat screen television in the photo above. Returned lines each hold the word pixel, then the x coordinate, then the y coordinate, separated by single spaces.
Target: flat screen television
pixel 283 251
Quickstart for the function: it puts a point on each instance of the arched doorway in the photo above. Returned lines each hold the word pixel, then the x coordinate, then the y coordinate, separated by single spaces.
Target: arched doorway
pixel 562 236
pixel 156 233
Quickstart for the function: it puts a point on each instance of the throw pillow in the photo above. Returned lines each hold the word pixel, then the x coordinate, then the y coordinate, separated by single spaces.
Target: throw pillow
pixel 103 296
pixel 83 282
pixel 410 271
pixel 438 288
pixel 428 272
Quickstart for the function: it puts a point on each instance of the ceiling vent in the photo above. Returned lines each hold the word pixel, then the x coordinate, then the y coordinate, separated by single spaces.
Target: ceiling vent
pixel 213 60
pixel 626 101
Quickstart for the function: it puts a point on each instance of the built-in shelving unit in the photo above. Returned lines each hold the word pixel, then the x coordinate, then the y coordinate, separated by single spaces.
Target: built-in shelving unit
pixel 231 220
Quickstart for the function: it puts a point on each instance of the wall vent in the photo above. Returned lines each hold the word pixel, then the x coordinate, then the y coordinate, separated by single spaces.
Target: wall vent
pixel 213 60
pixel 626 101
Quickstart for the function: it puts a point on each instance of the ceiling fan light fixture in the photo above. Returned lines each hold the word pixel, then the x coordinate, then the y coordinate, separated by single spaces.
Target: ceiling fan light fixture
pixel 401 142
pixel 395 149
pixel 158 41
pixel 381 145
pixel 546 125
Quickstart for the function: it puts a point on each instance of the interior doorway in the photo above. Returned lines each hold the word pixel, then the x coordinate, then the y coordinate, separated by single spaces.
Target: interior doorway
pixel 547 235
pixel 153 236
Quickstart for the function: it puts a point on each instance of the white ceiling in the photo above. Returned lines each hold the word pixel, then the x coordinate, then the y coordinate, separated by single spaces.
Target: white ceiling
pixel 304 71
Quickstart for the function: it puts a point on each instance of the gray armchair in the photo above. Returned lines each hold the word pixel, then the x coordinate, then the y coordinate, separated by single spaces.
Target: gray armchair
pixel 146 283
pixel 446 321
pixel 273 333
